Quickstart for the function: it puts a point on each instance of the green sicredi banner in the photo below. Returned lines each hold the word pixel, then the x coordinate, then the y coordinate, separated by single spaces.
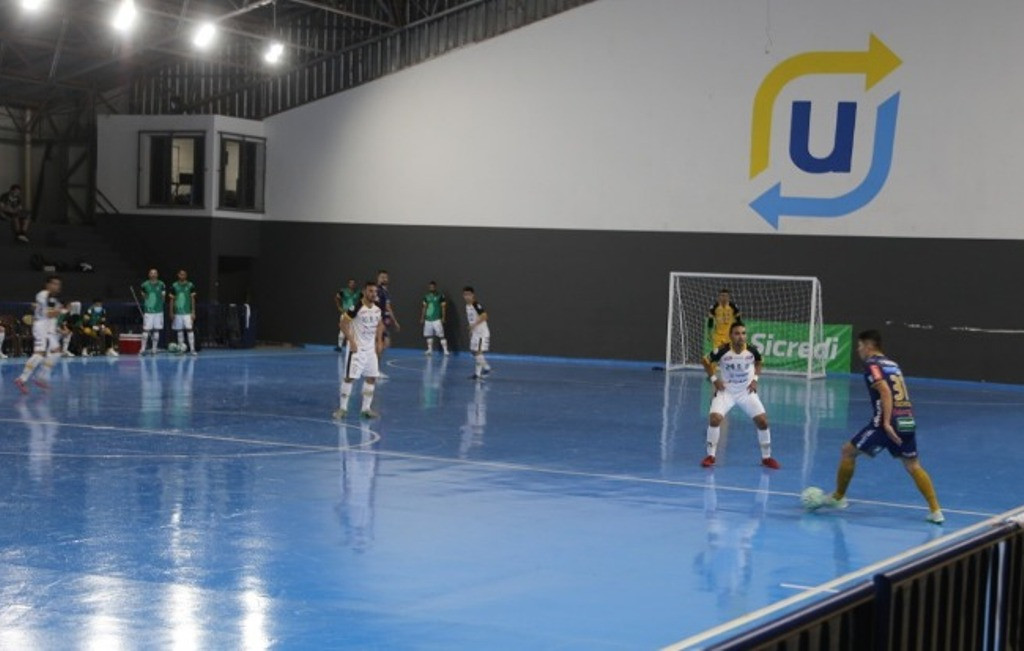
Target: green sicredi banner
pixel 784 345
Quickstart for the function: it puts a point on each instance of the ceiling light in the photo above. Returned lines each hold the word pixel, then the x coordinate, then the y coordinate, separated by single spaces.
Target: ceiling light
pixel 31 5
pixel 125 16
pixel 274 52
pixel 204 35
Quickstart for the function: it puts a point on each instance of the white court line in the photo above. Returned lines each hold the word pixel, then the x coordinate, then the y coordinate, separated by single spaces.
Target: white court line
pixel 296 448
pixel 499 465
pixel 693 641
pixel 813 588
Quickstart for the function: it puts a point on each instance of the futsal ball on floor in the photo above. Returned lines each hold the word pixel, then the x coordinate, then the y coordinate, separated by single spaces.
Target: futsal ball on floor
pixel 813 497
pixel 174 348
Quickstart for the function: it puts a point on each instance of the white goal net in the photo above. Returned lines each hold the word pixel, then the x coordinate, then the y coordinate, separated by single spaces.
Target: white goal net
pixel 782 315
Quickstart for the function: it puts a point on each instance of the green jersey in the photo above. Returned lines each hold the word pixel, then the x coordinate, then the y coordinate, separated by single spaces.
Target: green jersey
pixel 434 302
pixel 182 293
pixel 96 315
pixel 349 298
pixel 153 296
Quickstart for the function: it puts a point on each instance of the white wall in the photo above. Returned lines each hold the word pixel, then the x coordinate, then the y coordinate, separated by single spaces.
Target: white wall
pixel 118 158
pixel 636 115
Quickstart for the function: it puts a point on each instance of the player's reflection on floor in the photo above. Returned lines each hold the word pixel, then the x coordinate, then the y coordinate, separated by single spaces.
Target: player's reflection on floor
pixel 358 481
pixel 42 435
pixel 431 390
pixel 724 566
pixel 472 433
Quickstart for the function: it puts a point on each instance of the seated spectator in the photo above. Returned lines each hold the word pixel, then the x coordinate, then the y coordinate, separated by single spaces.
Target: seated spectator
pixel 69 330
pixel 11 208
pixel 98 335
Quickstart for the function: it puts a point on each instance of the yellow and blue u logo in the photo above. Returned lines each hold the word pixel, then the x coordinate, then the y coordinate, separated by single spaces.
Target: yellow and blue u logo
pixel 875 64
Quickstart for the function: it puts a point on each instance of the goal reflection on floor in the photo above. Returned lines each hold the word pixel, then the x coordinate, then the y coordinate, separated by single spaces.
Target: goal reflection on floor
pixel 212 503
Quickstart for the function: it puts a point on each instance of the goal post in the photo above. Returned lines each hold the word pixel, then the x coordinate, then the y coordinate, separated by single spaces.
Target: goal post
pixel 782 315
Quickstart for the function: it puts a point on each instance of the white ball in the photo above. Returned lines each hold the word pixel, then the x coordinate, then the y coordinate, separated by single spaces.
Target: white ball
pixel 813 497
pixel 172 348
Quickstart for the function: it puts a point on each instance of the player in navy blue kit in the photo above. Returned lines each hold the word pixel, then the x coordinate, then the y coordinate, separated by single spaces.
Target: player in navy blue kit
pixel 734 369
pixel 892 426
pixel 387 313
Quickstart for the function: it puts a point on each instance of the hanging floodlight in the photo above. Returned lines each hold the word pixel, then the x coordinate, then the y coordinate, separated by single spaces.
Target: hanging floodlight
pixel 275 48
pixel 204 35
pixel 125 16
pixel 32 5
pixel 274 52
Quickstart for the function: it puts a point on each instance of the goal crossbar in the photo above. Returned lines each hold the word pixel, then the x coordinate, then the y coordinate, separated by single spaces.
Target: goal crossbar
pixel 783 315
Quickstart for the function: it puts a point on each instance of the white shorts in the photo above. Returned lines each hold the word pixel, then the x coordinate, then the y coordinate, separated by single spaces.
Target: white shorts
pixel 724 401
pixel 433 329
pixel 182 322
pixel 479 343
pixel 362 364
pixel 153 321
pixel 43 339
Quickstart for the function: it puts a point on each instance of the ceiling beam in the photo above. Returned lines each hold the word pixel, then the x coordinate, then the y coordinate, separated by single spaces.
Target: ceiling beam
pixel 342 12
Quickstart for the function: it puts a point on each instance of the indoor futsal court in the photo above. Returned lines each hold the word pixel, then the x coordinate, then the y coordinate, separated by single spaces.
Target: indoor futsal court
pixel 674 266
pixel 177 502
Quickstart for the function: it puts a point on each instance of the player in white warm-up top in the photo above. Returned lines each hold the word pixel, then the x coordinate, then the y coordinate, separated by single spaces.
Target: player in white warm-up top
pixel 734 370
pixel 364 331
pixel 479 332
pixel 45 344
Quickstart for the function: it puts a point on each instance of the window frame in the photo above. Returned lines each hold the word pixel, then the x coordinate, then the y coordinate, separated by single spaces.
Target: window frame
pixel 241 138
pixel 145 168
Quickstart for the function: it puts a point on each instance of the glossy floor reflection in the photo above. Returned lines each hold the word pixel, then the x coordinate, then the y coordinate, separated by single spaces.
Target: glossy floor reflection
pixel 212 503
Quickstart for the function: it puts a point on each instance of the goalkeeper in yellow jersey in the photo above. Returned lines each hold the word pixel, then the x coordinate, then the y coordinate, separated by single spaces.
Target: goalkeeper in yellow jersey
pixel 721 315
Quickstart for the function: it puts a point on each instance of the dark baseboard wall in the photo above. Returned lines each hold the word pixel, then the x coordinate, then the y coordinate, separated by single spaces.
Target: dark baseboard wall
pixel 603 294
pixel 600 294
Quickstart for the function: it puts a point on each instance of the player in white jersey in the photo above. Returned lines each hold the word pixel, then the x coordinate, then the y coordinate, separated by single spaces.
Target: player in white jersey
pixel 45 343
pixel 479 332
pixel 364 331
pixel 734 370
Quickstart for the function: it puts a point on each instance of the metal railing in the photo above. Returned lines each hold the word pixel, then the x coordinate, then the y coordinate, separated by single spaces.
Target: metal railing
pixel 966 596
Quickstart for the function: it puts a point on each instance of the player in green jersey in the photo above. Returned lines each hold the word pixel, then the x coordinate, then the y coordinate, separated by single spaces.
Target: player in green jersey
pixel 154 294
pixel 433 315
pixel 96 330
pixel 183 307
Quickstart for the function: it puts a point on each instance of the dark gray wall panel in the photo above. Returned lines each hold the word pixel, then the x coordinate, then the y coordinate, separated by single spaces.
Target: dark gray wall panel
pixel 603 294
pixel 170 243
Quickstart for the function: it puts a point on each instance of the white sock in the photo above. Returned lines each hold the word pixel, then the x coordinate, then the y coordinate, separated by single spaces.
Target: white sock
pixel 192 340
pixel 156 339
pixel 479 365
pixel 764 438
pixel 346 391
pixel 368 390
pixel 430 345
pixel 145 340
pixel 65 342
pixel 444 344
pixel 484 362
pixel 341 339
pixel 30 366
pixel 3 335
pixel 181 337
pixel 713 434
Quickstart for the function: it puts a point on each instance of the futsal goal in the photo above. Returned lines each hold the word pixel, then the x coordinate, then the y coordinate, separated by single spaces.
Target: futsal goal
pixel 782 315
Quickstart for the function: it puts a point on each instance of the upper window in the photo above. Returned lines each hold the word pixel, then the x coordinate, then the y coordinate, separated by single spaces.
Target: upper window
pixel 171 169
pixel 242 167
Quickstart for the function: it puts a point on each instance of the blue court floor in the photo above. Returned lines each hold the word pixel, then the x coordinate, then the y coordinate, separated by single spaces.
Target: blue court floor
pixel 211 502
